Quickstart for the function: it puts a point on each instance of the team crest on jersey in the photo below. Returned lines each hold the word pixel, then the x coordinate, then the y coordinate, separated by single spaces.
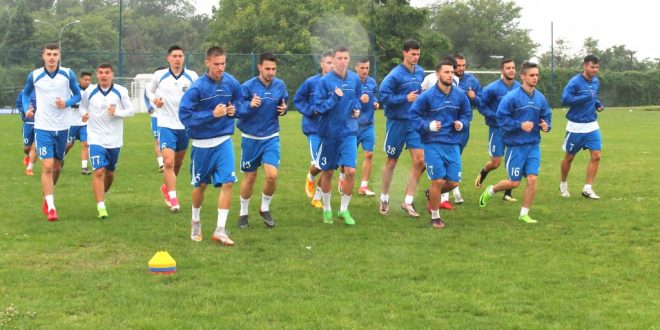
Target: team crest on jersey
pixel 184 89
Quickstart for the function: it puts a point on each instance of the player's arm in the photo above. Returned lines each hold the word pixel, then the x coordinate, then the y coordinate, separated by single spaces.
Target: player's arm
pixel 484 105
pixel 189 113
pixel 505 116
pixel 27 90
pixel 546 115
pixel 416 113
pixel 301 99
pixel 75 90
pixel 150 91
pixel 572 96
pixel 325 98
pixel 464 113
pixel 245 110
pixel 127 108
pixel 388 92
pixel 282 107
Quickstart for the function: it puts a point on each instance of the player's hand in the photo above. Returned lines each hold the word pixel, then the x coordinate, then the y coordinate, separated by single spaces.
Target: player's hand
pixel 471 94
pixel 231 109
pixel 339 92
pixel 29 113
pixel 220 110
pixel 601 108
pixel 158 102
pixel 544 125
pixel 458 125
pixel 412 96
pixel 256 101
pixel 364 98
pixel 435 125
pixel 85 117
pixel 527 126
pixel 60 103
pixel 111 109
pixel 356 113
pixel 281 109
pixel 376 106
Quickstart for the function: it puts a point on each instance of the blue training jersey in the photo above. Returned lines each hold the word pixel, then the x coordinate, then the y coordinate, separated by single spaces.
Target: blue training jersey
pixel 434 104
pixel 518 107
pixel 370 88
pixel 581 95
pixel 396 86
pixel 199 101
pixel 337 111
pixel 19 106
pixel 262 121
pixel 304 102
pixel 491 96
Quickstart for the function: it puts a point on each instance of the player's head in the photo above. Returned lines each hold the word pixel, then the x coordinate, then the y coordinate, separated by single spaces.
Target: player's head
pixel 362 67
pixel 326 61
pixel 529 74
pixel 51 55
pixel 340 58
pixel 508 69
pixel 411 52
pixel 104 74
pixel 461 64
pixel 215 61
pixel 445 72
pixel 267 66
pixel 85 79
pixel 590 66
pixel 175 57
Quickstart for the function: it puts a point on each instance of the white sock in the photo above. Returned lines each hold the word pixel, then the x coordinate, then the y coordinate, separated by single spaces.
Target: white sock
pixel 490 190
pixel 310 177
pixel 364 184
pixel 100 205
pixel 587 187
pixel 222 218
pixel 408 199
pixel 265 202
pixel 385 198
pixel 456 193
pixel 326 201
pixel 160 161
pixel 50 200
pixel 524 211
pixel 444 197
pixel 435 214
pixel 318 193
pixel 195 213
pixel 345 200
pixel 30 166
pixel 84 163
pixel 563 184
pixel 172 194
pixel 245 204
pixel 342 176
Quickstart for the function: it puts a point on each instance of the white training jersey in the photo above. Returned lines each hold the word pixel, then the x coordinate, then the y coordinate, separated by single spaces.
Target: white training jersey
pixel 432 79
pixel 171 88
pixel 102 128
pixel 48 87
pixel 76 113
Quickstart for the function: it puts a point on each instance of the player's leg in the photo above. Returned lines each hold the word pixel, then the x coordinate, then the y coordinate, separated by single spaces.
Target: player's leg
pixel 416 168
pixel 368 141
pixel 395 132
pixel 224 177
pixel 84 151
pixel 515 162
pixel 200 173
pixel 347 159
pixel 270 158
pixel 571 146
pixel 594 144
pixel 224 202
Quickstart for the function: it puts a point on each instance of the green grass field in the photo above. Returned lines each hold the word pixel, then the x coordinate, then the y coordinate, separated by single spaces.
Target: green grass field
pixel 586 264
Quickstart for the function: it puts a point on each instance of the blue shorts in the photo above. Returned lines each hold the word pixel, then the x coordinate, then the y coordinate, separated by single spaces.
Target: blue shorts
pixel 313 142
pixel 101 157
pixel 51 144
pixel 366 136
pixel 574 142
pixel 78 133
pixel 28 134
pixel 213 165
pixel 443 161
pixel 522 161
pixel 337 151
pixel 495 142
pixel 175 139
pixel 256 152
pixel 396 134
pixel 154 128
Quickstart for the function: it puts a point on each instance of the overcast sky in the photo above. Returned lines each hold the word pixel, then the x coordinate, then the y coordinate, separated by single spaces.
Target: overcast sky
pixel 632 23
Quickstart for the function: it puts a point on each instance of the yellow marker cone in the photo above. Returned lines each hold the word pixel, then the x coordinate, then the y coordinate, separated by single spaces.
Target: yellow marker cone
pixel 162 263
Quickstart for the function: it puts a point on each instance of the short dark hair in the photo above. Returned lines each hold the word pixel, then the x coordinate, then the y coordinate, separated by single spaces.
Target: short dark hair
pixel 364 59
pixel 105 65
pixel 590 58
pixel 85 73
pixel 173 48
pixel 51 46
pixel 340 49
pixel 444 62
pixel 505 61
pixel 450 59
pixel 526 66
pixel 327 53
pixel 215 51
pixel 267 56
pixel 409 44
pixel 459 56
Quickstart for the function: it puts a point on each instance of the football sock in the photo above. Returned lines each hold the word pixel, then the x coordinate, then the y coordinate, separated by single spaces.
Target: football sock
pixel 30 166
pixel 524 211
pixel 172 194
pixel 195 213
pixel 160 161
pixel 310 177
pixel 345 200
pixel 587 187
pixel 222 218
pixel 84 163
pixel 384 198
pixel 50 200
pixel 490 190
pixel 245 204
pixel 435 214
pixel 100 205
pixel 318 193
pixel 265 202
pixel 342 176
pixel 408 199
pixel 326 202
pixel 364 184
pixel 444 197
